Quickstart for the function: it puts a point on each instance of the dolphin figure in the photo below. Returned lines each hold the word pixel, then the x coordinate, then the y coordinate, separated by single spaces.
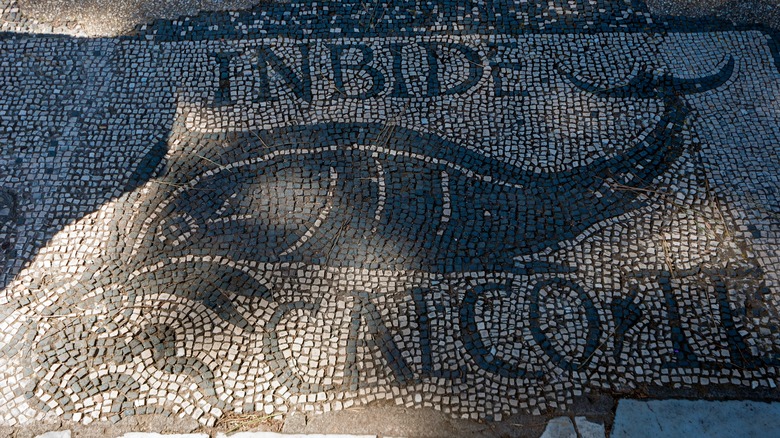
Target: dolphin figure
pixel 363 195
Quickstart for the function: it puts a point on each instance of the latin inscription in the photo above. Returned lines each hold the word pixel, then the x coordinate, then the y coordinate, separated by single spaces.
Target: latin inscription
pixel 362 71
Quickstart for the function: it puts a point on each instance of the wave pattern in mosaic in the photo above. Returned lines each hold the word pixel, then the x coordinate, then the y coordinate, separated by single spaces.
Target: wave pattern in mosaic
pixel 196 223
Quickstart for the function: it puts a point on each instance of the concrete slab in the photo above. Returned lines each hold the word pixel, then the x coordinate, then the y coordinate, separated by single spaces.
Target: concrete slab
pixel 158 435
pixel 55 434
pixel 285 435
pixel 560 427
pixel 295 422
pixel 589 429
pixel 692 419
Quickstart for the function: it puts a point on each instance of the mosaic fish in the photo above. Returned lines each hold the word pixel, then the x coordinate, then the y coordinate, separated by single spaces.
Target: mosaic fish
pixel 363 195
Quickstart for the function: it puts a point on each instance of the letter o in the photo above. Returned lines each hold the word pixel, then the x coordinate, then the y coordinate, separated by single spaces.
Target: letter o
pixel 541 338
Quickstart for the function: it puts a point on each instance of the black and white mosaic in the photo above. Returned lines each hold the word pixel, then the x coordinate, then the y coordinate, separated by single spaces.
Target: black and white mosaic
pixel 484 208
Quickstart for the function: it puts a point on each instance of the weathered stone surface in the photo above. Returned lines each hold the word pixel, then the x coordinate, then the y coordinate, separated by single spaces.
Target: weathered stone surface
pixel 695 418
pixel 158 435
pixel 287 435
pixel 55 434
pixel 560 427
pixel 589 429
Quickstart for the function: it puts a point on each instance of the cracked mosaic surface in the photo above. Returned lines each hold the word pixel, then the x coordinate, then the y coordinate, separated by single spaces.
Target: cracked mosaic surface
pixel 484 208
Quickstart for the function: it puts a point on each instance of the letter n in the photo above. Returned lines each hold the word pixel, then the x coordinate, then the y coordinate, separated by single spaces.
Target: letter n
pixel 300 85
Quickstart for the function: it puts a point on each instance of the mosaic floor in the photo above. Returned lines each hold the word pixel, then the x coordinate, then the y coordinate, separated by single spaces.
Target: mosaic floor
pixel 480 207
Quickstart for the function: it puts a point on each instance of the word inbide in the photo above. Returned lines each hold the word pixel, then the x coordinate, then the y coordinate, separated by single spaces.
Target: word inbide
pixel 358 70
